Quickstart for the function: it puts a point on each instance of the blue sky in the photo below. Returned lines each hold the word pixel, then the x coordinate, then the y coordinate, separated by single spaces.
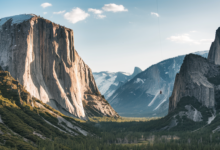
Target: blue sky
pixel 118 35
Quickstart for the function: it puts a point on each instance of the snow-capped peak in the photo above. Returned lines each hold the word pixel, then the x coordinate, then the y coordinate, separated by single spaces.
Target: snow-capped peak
pixel 201 52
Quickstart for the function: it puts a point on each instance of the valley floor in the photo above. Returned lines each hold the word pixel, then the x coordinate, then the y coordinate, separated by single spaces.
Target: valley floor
pixel 125 134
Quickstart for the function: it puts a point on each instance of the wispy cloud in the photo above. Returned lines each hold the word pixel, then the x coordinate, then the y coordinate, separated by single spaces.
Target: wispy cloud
pixel 194 31
pixel 114 8
pixel 185 38
pixel 76 15
pixel 95 11
pixel 45 13
pixel 59 12
pixel 155 14
pixel 101 16
pixel 44 5
pixel 206 40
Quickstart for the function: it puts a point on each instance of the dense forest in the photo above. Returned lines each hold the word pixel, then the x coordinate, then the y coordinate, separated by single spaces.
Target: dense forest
pixel 120 134
pixel 28 124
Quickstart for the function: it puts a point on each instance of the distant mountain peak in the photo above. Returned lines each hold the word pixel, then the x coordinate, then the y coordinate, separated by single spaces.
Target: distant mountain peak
pixel 201 52
pixel 108 82
pixel 141 93
pixel 137 70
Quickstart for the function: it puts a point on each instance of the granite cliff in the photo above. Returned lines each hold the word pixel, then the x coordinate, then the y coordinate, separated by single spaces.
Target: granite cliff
pixel 195 100
pixel 192 80
pixel 199 78
pixel 41 56
pixel 214 52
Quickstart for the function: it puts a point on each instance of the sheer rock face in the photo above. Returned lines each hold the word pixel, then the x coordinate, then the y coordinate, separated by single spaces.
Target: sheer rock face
pixel 199 77
pixel 214 53
pixel 41 55
pixel 192 80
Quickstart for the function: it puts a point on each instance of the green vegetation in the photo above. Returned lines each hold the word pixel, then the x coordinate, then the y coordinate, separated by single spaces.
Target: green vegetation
pixel 121 119
pixel 29 124
pixel 25 120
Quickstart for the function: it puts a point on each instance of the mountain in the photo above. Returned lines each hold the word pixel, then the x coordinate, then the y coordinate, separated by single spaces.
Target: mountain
pixel 41 55
pixel 109 82
pixel 199 78
pixel 141 94
pixel 194 104
pixel 193 81
pixel 25 121
pixel 195 98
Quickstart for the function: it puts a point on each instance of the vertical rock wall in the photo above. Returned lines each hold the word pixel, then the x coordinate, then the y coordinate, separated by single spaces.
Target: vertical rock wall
pixel 192 80
pixel 214 52
pixel 41 55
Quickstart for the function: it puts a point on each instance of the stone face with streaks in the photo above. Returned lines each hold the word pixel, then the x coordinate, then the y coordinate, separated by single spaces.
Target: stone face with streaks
pixel 194 78
pixel 214 52
pixel 41 55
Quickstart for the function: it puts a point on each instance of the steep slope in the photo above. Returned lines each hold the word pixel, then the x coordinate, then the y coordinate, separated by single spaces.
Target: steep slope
pixel 41 55
pixel 195 98
pixel 193 81
pixel 194 103
pixel 198 77
pixel 109 82
pixel 141 94
pixel 25 120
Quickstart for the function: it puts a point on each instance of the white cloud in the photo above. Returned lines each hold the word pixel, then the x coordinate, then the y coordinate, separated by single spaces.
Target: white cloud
pixel 155 14
pixel 59 12
pixel 76 15
pixel 101 16
pixel 114 8
pixel 45 13
pixel 206 40
pixel 95 11
pixel 44 5
pixel 185 38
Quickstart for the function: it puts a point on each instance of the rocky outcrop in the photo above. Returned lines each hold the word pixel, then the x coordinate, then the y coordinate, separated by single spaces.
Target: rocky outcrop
pixel 137 70
pixel 199 77
pixel 192 80
pixel 41 55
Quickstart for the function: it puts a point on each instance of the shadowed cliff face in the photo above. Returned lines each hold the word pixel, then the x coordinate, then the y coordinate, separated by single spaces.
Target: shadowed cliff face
pixel 41 55
pixel 192 80
pixel 199 78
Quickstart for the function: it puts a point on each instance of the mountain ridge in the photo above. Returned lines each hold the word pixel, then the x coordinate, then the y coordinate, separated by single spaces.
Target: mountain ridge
pixel 141 94
pixel 108 82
